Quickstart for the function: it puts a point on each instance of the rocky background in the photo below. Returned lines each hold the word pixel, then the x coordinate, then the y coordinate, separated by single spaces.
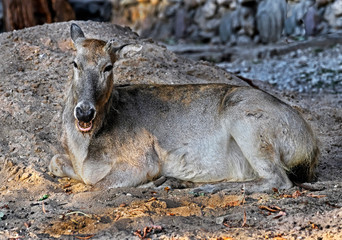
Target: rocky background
pixel 229 22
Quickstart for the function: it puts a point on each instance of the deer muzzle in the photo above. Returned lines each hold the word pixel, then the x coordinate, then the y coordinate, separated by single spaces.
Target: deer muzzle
pixel 85 113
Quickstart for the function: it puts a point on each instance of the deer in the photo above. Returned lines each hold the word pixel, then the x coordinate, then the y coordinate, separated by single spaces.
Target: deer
pixel 129 135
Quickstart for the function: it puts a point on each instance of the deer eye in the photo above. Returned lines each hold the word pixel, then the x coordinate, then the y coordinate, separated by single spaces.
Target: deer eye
pixel 108 68
pixel 74 64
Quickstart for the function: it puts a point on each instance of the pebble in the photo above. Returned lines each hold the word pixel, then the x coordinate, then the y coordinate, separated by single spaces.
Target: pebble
pixel 220 220
pixel 302 61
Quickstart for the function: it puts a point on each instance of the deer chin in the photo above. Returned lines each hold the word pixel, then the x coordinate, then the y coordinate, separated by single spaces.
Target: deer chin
pixel 84 127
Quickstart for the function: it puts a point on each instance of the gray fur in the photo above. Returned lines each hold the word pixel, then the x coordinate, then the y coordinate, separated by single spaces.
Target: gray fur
pixel 199 133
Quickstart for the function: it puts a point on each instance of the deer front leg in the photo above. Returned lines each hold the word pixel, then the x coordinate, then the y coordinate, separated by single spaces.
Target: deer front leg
pixel 61 166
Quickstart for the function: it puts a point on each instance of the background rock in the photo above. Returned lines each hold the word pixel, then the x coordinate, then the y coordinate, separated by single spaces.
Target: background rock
pixel 213 21
pixel 311 21
pixel 232 20
pixel 270 18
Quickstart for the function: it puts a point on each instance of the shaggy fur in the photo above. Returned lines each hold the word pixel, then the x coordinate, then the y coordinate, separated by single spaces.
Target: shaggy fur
pixel 200 133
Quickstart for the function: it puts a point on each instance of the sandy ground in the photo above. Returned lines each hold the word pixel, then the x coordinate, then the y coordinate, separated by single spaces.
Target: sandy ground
pixel 34 68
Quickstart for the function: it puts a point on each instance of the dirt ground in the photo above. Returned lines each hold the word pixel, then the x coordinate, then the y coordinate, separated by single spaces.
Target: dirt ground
pixel 34 68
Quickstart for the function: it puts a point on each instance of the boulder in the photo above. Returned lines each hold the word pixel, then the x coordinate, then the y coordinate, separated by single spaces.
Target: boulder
pixel 247 20
pixel 333 20
pixel 225 28
pixel 239 22
pixel 270 17
pixel 336 8
pixel 296 16
pixel 209 9
pixel 180 23
pixel 312 21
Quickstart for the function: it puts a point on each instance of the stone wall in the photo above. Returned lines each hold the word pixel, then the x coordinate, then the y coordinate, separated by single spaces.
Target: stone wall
pixel 228 21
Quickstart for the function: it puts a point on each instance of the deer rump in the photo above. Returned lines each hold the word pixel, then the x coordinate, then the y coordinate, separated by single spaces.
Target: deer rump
pixel 201 133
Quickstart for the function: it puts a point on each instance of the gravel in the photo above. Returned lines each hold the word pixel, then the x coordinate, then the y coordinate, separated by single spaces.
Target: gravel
pixel 314 69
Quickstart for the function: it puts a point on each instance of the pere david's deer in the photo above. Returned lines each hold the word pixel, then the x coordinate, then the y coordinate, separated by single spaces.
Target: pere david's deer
pixel 121 136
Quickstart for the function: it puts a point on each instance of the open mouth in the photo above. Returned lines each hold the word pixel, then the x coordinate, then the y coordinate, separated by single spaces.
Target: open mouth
pixel 84 126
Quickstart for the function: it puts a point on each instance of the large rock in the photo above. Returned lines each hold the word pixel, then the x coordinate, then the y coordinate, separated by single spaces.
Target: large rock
pixel 213 21
pixel 337 8
pixel 332 15
pixel 312 21
pixel 247 20
pixel 240 22
pixel 180 23
pixel 209 9
pixel 270 17
pixel 225 28
pixel 296 14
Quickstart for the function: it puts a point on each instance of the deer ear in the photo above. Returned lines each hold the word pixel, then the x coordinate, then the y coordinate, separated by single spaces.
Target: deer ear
pixel 76 33
pixel 124 51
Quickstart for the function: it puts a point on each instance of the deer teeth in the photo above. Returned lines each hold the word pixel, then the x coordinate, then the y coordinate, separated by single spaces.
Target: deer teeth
pixel 84 126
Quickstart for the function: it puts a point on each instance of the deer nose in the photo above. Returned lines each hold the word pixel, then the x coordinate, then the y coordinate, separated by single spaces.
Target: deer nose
pixel 85 112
